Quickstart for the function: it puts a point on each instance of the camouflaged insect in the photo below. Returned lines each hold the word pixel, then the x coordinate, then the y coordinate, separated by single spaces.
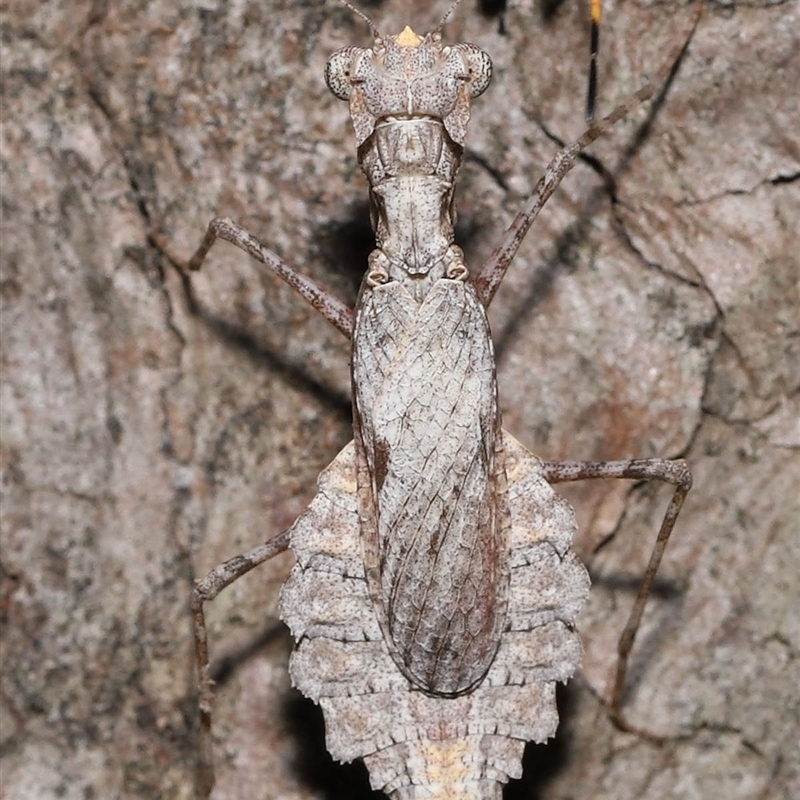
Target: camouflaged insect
pixel 434 595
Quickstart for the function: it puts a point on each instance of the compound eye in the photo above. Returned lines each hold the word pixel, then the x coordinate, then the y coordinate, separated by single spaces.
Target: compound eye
pixel 339 72
pixel 480 69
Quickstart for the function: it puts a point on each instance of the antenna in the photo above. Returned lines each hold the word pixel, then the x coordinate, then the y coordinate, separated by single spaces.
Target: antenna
pixel 447 13
pixel 359 13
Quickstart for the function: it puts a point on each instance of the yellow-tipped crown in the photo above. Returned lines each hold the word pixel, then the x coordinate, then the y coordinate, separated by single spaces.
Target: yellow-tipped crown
pixel 407 38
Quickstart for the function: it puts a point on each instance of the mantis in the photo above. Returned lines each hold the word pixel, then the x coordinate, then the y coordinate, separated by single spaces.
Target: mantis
pixel 435 593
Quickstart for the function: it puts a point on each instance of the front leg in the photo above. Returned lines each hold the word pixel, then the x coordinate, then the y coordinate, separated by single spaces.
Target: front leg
pixel 674 472
pixel 334 310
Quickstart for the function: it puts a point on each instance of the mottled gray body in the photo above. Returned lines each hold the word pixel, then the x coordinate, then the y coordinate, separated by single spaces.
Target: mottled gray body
pixel 431 485
pixel 420 664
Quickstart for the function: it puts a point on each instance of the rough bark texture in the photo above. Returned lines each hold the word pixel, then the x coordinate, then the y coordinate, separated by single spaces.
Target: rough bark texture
pixel 150 432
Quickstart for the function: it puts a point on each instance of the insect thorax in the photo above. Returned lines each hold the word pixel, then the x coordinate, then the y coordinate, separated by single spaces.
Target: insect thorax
pixel 410 104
